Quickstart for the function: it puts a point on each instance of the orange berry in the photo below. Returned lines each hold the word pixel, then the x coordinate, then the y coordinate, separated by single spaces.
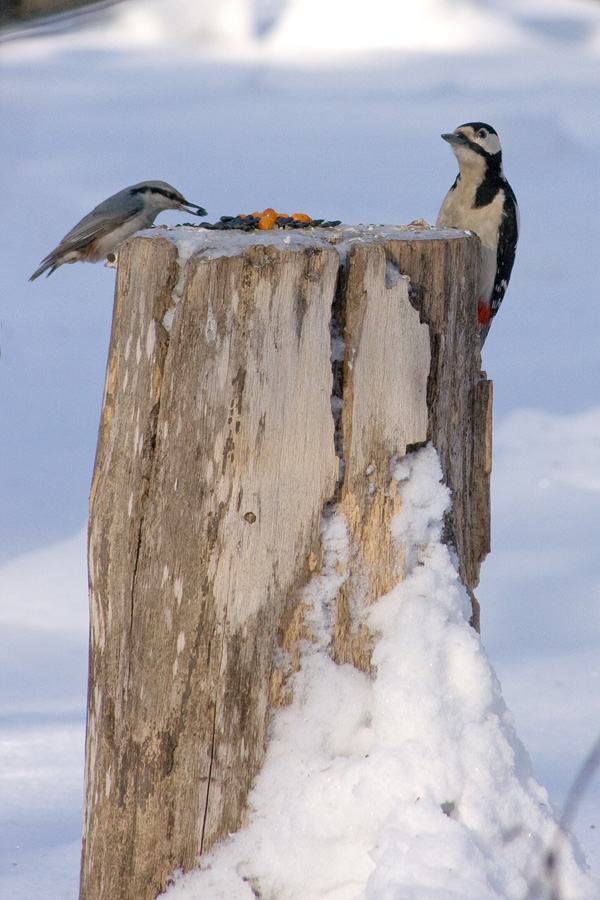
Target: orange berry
pixel 301 217
pixel 266 223
pixel 270 213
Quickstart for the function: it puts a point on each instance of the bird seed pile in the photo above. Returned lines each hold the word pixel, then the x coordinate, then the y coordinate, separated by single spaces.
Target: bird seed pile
pixel 266 220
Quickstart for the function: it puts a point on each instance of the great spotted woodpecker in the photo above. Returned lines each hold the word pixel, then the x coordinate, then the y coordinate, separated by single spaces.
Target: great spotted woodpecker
pixel 481 200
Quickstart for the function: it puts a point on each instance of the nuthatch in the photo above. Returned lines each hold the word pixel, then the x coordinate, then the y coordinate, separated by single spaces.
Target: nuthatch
pixel 102 231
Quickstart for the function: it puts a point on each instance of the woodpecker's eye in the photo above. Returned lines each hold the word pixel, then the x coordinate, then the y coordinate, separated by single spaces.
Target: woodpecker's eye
pixel 482 133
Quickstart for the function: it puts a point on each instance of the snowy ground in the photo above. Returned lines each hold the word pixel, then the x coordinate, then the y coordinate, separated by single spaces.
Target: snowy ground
pixel 342 134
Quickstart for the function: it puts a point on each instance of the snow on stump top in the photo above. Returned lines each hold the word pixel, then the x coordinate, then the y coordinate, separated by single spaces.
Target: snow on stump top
pixel 253 381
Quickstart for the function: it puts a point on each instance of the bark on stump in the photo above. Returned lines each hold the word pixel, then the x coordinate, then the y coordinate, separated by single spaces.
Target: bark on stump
pixel 216 457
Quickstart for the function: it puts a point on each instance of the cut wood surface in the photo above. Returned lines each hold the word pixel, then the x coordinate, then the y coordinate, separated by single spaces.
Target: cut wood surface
pixel 216 458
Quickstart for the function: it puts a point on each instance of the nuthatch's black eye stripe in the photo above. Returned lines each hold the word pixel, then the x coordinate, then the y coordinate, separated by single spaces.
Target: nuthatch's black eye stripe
pixel 177 198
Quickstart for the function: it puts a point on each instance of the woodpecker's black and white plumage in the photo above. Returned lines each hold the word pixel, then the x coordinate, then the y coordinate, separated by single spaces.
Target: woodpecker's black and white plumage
pixel 481 200
pixel 103 230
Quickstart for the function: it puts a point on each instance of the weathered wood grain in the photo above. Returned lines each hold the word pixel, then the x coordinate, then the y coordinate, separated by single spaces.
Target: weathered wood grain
pixel 386 367
pixel 443 277
pixel 215 459
pixel 216 456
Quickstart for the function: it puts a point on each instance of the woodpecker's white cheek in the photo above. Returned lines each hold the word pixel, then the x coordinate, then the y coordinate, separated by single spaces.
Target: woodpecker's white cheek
pixel 491 144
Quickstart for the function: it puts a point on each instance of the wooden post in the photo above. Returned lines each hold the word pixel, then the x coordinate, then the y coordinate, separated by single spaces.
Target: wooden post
pixel 215 461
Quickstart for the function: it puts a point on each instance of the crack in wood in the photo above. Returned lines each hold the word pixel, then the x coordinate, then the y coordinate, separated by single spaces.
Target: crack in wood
pixel 209 777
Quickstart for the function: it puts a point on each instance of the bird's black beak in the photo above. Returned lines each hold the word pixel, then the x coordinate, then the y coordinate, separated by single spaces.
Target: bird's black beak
pixel 192 208
pixel 455 138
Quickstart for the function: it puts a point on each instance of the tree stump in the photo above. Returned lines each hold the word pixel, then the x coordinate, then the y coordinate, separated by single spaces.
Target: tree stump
pixel 216 458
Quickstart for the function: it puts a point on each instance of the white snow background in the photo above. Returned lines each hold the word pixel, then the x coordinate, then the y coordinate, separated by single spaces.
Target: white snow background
pixel 335 109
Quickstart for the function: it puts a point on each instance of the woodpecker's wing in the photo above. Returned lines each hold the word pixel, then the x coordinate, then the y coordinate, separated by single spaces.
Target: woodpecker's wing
pixel 507 246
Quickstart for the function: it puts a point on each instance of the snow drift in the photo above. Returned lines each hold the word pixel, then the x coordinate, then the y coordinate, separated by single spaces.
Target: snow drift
pixel 409 784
